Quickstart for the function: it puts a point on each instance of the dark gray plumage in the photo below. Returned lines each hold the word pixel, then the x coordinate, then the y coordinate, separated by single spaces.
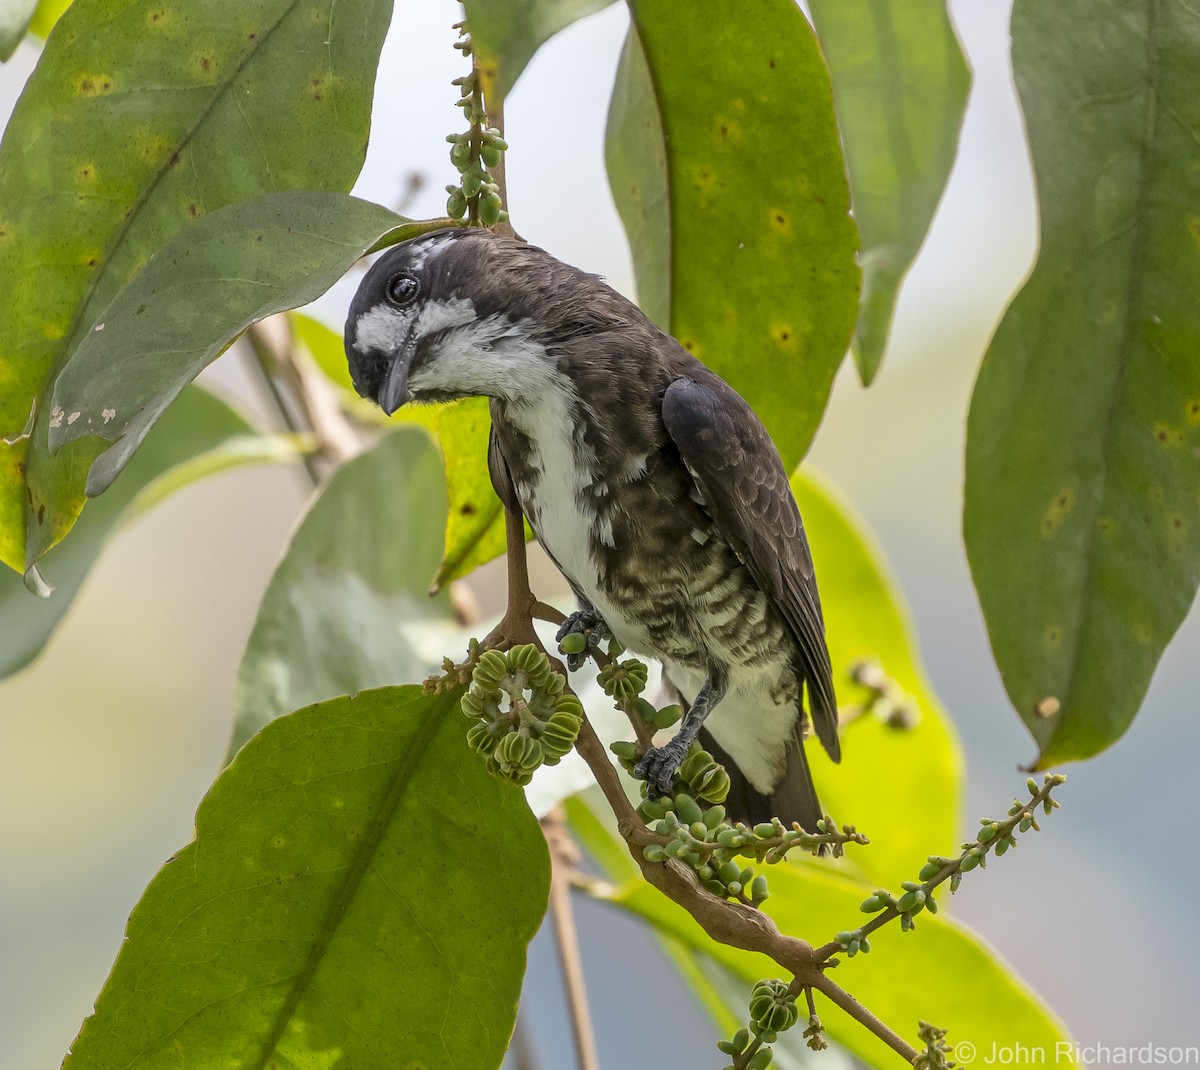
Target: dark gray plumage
pixel 648 480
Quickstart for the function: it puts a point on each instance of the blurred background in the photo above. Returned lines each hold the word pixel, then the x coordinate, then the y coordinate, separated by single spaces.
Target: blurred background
pixel 109 741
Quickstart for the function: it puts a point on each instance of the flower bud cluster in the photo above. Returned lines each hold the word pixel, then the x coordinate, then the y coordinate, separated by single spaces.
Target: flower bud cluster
pixel 523 716
pixel 772 1010
pixel 997 836
pixel 476 196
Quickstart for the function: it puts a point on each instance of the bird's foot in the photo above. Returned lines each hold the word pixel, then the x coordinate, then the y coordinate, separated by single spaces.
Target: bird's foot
pixel 659 766
pixel 588 624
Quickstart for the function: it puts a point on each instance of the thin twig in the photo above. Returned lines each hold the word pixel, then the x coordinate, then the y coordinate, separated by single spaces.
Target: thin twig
pixel 563 858
pixel 263 365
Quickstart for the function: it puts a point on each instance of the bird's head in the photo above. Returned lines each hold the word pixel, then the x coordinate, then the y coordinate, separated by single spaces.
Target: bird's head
pixel 462 313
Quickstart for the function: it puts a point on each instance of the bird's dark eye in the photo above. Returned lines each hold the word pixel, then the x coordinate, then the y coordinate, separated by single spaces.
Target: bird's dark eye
pixel 403 289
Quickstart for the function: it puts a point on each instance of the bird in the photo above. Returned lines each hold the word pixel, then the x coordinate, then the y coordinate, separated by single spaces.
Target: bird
pixel 648 480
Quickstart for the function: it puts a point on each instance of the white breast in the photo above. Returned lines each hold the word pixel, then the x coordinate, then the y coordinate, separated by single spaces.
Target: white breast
pixel 564 468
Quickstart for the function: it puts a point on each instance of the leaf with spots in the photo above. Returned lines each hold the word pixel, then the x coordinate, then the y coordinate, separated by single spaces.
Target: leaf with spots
pixel 359 892
pixel 237 265
pixel 507 33
pixel 900 88
pixel 728 123
pixel 1082 510
pixel 348 606
pixel 900 779
pixel 197 425
pixel 139 118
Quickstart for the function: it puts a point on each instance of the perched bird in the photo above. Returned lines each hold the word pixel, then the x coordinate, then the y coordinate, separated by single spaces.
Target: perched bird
pixel 647 479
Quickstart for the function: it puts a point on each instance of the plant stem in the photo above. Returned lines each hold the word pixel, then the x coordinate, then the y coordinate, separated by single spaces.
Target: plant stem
pixel 562 857
pixel 264 365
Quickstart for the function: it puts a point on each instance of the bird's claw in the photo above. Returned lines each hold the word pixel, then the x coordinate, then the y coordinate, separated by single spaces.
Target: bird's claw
pixel 658 767
pixel 585 622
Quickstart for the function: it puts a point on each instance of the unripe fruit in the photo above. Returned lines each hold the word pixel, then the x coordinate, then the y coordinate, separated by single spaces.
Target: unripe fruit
pixel 667 716
pixel 573 643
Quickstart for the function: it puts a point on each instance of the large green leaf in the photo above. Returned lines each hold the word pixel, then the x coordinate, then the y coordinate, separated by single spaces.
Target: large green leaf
pixel 359 894
pixel 342 608
pixel 901 786
pixel 900 88
pixel 197 425
pixel 141 117
pixel 237 265
pixel 941 973
pixel 1082 513
pixel 506 34
pixel 14 20
pixel 763 282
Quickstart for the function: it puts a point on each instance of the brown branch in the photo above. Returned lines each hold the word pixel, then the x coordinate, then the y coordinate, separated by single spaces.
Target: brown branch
pixel 836 994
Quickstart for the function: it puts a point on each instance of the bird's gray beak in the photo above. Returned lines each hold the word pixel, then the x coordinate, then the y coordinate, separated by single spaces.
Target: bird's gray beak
pixel 394 392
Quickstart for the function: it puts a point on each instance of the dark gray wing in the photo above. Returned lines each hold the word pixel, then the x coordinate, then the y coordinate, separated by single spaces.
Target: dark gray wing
pixel 739 474
pixel 502 481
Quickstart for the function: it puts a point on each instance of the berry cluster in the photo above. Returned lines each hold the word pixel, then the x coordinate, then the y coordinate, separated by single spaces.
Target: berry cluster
pixel 772 1010
pixel 523 716
pixel 476 196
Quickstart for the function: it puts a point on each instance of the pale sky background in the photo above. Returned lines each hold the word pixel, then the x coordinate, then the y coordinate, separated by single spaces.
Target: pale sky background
pixel 104 756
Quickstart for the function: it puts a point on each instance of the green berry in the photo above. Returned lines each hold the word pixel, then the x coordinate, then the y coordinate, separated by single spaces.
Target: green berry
pixel 491 154
pixel 573 643
pixel 667 716
pixel 490 206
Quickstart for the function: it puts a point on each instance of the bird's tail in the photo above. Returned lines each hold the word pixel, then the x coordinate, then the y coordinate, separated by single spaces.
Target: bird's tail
pixel 794 797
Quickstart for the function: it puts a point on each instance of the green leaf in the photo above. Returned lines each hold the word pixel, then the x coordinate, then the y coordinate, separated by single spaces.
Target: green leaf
pixel 901 786
pixel 140 118
pixel 1082 505
pixel 237 265
pixel 359 893
pixel 475 522
pixel 506 33
pixel 14 21
pixel 348 603
pixel 942 973
pixel 198 425
pixel 900 89
pixel 763 282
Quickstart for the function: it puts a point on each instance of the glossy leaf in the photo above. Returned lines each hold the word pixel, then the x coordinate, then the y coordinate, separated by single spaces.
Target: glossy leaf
pixel 507 33
pixel 359 892
pixel 475 517
pixel 900 89
pixel 1082 510
pixel 475 523
pixel 14 20
pixel 238 265
pixel 197 426
pixel 763 278
pixel 978 997
pixel 139 119
pixel 347 604
pixel 901 786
